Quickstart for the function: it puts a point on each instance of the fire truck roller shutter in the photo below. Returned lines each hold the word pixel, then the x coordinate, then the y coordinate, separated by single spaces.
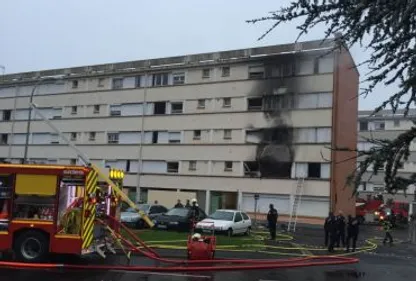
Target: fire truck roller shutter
pixel 89 209
pixel 43 185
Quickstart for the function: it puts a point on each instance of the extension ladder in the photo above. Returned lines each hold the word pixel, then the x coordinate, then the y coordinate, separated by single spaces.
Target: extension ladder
pixel 291 226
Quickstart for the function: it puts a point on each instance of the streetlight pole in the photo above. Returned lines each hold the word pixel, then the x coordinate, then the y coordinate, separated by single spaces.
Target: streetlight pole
pixel 29 120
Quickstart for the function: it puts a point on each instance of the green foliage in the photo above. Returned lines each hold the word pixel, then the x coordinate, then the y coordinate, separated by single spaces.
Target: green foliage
pixel 388 29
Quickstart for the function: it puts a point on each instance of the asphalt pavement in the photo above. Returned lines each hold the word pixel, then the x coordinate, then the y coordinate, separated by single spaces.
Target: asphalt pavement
pixel 382 264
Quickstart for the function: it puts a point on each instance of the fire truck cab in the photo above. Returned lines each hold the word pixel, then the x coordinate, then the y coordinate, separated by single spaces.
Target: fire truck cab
pixel 48 209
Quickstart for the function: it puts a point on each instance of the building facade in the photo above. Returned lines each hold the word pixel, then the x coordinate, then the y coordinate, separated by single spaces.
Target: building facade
pixel 221 127
pixel 385 125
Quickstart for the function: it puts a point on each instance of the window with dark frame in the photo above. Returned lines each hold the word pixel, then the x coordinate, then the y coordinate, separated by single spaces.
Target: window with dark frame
pixel 314 170
pixel 96 109
pixel 178 78
pixel 227 134
pixel 225 71
pixel 4 138
pixel 173 167
pixel 117 83
pixel 201 104
pixel 74 84
pixel 112 137
pixel 197 134
pixel 226 102
pixel 160 107
pixel 91 136
pixel 228 166
pixel 363 125
pixel 7 114
pixel 74 110
pixel 73 136
pixel 176 107
pixel 100 82
pixel 160 79
pixel 192 165
pixel 206 73
pixel 255 103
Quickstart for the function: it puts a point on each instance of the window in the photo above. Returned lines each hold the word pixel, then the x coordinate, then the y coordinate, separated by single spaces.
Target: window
pixel 96 109
pixel 7 115
pixel 238 217
pixel 323 135
pixel 115 110
pixel 112 137
pixel 255 103
pixel 74 110
pixel 256 72
pixel 160 107
pixel 174 137
pixel 178 78
pixel 201 104
pixel 173 167
pixel 305 67
pixel 273 102
pixel 192 165
pixel 74 84
pixel 197 134
pixel 160 79
pixel 206 73
pixel 226 102
pixel 138 81
pixel 363 126
pixel 227 134
pixel 225 71
pixel 73 136
pixel 100 82
pixel 72 161
pixel 396 123
pixel 117 83
pixel 57 113
pixel 245 217
pixel 228 166
pixel 91 136
pixel 379 126
pixel 176 107
pixel 4 138
pixel 314 170
pixel 54 138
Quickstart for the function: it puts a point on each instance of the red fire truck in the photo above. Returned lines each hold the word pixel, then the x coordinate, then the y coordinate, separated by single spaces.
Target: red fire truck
pixel 52 209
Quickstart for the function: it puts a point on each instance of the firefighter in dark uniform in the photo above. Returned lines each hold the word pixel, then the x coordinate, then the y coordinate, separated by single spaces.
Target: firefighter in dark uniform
pixel 340 229
pixel 353 226
pixel 326 227
pixel 332 231
pixel 387 226
pixel 272 216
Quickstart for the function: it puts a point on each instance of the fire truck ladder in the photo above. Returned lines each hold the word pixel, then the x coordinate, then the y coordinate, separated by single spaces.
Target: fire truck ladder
pixel 88 163
pixel 297 197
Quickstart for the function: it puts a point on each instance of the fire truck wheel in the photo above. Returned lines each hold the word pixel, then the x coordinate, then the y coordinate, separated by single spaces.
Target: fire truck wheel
pixel 31 246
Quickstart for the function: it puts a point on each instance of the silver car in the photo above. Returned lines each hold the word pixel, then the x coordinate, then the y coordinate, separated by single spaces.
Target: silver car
pixel 133 219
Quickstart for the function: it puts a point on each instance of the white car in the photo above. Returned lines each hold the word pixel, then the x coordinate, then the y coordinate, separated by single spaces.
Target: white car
pixel 226 221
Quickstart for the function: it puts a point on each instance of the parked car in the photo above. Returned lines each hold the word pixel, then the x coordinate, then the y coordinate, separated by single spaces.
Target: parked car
pixel 179 219
pixel 226 221
pixel 132 218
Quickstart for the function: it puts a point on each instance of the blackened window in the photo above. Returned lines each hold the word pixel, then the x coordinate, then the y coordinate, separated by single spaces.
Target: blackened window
pixel 314 170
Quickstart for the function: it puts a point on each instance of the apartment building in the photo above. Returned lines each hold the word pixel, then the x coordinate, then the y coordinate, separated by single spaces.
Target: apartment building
pixel 224 127
pixel 385 125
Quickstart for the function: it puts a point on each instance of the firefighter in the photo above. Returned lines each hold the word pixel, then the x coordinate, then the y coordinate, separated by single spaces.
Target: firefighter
pixel 352 232
pixel 195 210
pixel 179 204
pixel 387 226
pixel 272 217
pixel 188 204
pixel 326 227
pixel 332 231
pixel 340 225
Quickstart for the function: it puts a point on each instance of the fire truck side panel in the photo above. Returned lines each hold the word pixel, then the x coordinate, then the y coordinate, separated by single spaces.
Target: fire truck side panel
pixel 4 241
pixel 19 226
pixel 66 244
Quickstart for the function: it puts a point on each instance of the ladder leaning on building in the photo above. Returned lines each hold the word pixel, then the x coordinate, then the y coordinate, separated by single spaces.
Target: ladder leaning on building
pixel 297 199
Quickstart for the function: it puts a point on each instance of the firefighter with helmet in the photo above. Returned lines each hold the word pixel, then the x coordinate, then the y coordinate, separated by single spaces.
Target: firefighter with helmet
pixel 194 211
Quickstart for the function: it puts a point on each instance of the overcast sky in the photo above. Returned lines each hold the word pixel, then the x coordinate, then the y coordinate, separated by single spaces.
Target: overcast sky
pixel 45 34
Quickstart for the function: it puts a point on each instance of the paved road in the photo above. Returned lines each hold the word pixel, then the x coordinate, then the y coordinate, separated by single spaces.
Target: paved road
pixel 385 264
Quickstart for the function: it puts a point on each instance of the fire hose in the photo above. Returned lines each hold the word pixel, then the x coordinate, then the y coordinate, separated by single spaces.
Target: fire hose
pixel 187 265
